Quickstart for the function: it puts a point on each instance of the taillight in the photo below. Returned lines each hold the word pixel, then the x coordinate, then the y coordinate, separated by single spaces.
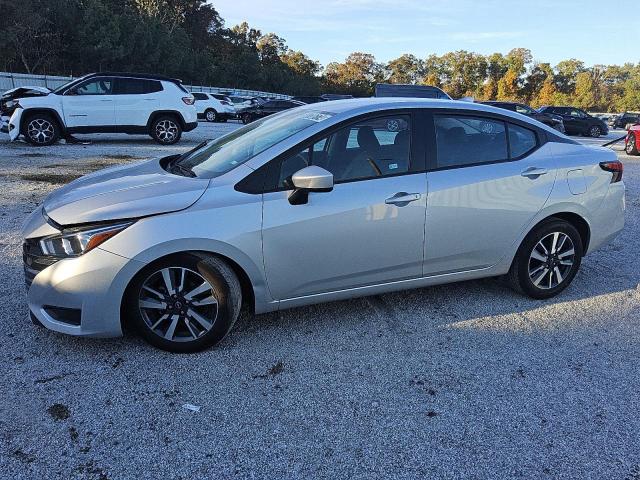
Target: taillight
pixel 189 100
pixel 615 168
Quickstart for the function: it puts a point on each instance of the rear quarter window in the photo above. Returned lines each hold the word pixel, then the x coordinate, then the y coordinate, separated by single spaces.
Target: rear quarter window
pixel 521 140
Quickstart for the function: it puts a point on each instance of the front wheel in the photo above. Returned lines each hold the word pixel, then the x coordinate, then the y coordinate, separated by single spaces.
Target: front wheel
pixel 246 118
pixel 41 130
pixel 548 260
pixel 184 303
pixel 166 130
pixel 632 146
pixel 595 131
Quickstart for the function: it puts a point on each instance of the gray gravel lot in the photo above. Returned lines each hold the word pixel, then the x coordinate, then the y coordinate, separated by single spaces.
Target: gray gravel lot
pixel 460 381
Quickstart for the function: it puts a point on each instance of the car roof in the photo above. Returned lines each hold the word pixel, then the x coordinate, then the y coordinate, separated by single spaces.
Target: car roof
pixel 356 106
pixel 133 75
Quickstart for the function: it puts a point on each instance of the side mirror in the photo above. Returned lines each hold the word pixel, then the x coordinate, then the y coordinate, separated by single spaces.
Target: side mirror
pixel 309 179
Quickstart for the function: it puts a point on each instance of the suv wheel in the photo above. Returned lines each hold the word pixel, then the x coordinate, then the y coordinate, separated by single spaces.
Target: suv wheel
pixel 632 146
pixel 41 129
pixel 548 260
pixel 166 130
pixel 246 118
pixel 211 115
pixel 595 131
pixel 185 303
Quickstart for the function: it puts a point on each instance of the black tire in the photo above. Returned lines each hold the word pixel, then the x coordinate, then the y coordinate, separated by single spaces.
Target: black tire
pixel 41 129
pixel 246 118
pixel 210 115
pixel 632 146
pixel 224 287
pixel 594 131
pixel 166 129
pixel 522 275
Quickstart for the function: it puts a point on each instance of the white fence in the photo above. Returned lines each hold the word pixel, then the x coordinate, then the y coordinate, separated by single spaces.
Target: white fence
pixel 13 80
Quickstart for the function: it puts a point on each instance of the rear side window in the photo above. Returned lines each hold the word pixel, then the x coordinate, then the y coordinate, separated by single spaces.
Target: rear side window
pixel 137 86
pixel 467 140
pixel 200 96
pixel 521 140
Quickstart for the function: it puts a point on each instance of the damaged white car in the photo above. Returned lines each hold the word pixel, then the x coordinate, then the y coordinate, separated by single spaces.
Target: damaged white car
pixel 101 103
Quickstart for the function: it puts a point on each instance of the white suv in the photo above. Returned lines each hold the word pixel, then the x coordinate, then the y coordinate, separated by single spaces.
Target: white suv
pixel 107 103
pixel 214 107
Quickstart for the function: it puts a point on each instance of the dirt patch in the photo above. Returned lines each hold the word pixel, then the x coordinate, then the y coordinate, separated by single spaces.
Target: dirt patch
pixel 122 157
pixel 57 179
pixel 58 411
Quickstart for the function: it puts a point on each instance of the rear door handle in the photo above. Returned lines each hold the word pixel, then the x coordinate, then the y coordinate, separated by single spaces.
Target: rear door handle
pixel 402 198
pixel 533 172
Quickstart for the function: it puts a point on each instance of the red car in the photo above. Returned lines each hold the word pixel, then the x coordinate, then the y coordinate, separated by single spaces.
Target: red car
pixel 632 142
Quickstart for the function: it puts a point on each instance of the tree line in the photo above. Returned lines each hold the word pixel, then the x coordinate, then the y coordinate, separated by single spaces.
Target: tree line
pixel 188 39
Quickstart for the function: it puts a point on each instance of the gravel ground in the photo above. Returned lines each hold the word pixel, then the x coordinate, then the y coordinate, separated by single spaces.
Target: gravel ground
pixel 460 381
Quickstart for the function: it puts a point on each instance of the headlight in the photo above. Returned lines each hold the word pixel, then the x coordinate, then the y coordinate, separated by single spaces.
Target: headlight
pixel 77 241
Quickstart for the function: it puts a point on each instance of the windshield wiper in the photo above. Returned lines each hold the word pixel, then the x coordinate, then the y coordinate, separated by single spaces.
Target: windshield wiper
pixel 176 168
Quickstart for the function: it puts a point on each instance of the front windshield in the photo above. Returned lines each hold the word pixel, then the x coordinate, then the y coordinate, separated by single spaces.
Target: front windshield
pixel 227 152
pixel 68 84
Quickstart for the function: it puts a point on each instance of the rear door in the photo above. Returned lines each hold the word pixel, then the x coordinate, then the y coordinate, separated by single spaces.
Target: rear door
pixel 136 99
pixel 90 104
pixel 488 178
pixel 368 230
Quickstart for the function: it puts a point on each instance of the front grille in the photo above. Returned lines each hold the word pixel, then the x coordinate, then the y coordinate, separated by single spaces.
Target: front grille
pixel 34 260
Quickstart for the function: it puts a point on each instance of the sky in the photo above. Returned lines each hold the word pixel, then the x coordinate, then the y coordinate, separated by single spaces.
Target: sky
pixel 596 32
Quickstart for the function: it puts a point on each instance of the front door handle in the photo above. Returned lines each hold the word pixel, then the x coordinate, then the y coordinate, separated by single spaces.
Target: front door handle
pixel 533 172
pixel 402 198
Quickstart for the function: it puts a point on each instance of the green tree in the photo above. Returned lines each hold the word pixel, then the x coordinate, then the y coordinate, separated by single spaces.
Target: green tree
pixel 405 69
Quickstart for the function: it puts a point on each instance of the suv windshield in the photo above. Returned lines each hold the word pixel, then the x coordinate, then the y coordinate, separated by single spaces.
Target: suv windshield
pixel 68 84
pixel 227 152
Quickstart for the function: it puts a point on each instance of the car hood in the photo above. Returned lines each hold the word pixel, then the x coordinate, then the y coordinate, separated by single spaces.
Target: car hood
pixel 131 191
pixel 23 92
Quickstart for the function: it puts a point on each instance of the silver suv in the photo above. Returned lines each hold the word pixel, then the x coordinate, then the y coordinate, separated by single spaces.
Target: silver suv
pixel 322 202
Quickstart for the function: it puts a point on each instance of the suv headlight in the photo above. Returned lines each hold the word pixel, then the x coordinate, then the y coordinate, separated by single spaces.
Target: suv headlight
pixel 77 241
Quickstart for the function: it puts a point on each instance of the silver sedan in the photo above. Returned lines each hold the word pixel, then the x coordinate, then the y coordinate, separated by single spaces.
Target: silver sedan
pixel 319 203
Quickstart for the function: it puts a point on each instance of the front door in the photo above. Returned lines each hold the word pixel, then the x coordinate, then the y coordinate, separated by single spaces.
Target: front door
pixel 490 179
pixel 90 104
pixel 368 230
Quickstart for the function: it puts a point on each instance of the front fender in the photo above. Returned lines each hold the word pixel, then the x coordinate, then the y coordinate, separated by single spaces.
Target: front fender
pixel 14 124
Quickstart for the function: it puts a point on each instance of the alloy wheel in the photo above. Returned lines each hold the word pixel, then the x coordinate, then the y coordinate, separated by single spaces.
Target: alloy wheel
pixel 551 260
pixel 631 145
pixel 594 132
pixel 166 131
pixel 40 130
pixel 178 304
pixel 211 116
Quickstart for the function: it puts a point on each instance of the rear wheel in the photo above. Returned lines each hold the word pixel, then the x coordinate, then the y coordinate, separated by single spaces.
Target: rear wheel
pixel 41 129
pixel 185 303
pixel 246 118
pixel 211 115
pixel 632 146
pixel 548 260
pixel 166 129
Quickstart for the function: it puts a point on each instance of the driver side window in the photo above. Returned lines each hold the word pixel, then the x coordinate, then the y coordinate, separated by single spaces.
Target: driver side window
pixel 372 148
pixel 98 86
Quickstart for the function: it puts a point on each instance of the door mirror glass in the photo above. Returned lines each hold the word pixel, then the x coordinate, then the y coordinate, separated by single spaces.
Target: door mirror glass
pixel 309 179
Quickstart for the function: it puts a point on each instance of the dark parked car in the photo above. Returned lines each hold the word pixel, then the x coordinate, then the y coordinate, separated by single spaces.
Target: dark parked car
pixel 578 122
pixel 554 121
pixel 626 119
pixel 309 99
pixel 267 108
